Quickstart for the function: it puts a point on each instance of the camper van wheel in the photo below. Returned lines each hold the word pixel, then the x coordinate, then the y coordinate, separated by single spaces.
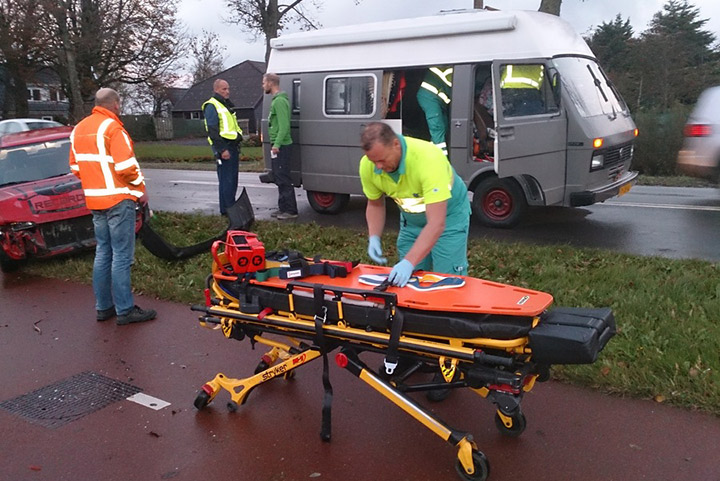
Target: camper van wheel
pixel 482 468
pixel 327 202
pixel 518 423
pixel 499 202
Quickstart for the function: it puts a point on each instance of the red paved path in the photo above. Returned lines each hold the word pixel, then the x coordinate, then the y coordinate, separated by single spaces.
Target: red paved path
pixel 572 434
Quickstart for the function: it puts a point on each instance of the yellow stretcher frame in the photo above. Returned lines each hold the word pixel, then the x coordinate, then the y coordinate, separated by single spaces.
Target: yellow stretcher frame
pixel 451 354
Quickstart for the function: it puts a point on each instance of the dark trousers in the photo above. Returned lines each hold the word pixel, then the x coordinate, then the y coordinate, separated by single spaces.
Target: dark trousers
pixel 227 172
pixel 281 172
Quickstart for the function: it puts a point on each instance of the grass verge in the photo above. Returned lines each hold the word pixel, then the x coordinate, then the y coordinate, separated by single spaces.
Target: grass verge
pixel 667 310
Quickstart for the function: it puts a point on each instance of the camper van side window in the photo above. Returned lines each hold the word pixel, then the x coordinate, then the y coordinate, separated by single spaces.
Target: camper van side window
pixel 525 90
pixel 296 96
pixel 350 95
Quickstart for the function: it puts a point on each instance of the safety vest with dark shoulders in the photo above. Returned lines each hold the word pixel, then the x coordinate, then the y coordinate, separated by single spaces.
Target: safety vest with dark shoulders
pixel 102 156
pixel 229 128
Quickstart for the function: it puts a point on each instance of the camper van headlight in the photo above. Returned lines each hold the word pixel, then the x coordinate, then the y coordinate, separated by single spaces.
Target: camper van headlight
pixel 598 160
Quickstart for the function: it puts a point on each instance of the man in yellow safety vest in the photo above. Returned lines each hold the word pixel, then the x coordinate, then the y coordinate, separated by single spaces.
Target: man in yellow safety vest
pixel 224 135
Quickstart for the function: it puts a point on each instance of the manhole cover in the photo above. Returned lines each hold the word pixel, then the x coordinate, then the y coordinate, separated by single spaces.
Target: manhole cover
pixel 70 399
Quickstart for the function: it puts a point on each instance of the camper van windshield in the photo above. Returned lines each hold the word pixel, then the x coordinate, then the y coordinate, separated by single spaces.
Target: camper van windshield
pixel 589 88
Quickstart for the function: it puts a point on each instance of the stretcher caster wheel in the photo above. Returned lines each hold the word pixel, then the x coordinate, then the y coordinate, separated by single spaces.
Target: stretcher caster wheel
pixel 232 406
pixel 289 375
pixel 201 400
pixel 511 426
pixel 481 465
pixel 543 373
pixel 261 367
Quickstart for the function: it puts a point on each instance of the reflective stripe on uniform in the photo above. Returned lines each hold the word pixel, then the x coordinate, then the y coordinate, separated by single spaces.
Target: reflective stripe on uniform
pixel 113 191
pixel 509 81
pixel 125 164
pixel 432 89
pixel 443 75
pixel 411 205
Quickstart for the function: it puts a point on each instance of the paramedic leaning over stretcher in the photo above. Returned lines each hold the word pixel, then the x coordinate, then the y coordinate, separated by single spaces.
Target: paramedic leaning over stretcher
pixel 433 202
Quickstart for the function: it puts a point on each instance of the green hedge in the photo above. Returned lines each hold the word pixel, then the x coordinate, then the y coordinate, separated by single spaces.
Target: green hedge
pixel 660 139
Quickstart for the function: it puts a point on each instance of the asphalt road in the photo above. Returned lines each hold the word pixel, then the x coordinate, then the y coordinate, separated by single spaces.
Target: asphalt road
pixel 671 222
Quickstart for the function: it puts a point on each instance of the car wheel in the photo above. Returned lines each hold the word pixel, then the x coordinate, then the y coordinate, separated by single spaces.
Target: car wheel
pixel 327 202
pixel 499 202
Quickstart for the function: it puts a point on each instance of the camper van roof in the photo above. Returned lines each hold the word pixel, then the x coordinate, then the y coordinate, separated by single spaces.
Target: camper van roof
pixel 446 38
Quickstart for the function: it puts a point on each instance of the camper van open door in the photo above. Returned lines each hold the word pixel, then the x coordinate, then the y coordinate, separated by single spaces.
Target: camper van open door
pixel 530 143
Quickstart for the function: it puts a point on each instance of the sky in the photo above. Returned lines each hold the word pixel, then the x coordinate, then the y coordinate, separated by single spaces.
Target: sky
pixel 583 15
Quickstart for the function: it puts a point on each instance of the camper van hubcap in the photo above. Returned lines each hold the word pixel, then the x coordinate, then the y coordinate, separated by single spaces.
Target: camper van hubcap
pixel 498 204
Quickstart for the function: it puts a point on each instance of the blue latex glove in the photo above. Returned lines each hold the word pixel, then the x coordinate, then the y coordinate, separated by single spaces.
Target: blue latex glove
pixel 401 272
pixel 375 250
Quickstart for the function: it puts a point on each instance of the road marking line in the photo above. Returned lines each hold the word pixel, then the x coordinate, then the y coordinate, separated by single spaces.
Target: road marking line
pixel 667 206
pixel 148 401
pixel 202 182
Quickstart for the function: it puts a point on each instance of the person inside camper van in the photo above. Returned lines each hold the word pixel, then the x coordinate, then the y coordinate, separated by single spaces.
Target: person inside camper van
pixel 433 202
pixel 434 98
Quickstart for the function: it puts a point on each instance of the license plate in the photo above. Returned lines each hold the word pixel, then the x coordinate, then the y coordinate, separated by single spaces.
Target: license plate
pixel 624 189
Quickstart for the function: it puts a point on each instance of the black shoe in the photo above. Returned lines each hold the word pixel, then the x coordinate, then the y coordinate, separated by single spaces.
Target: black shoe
pixel 437 395
pixel 106 314
pixel 136 315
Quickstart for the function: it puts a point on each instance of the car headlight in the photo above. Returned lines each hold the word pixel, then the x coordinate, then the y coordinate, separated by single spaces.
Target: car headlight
pixel 598 160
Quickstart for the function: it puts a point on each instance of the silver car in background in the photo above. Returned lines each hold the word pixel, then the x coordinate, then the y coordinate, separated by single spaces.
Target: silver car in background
pixel 13 126
pixel 700 153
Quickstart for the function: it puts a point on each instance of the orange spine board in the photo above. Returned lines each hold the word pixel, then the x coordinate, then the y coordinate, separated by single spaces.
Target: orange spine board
pixel 476 296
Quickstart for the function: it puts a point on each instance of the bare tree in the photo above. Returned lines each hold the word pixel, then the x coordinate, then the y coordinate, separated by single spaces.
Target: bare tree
pixel 550 6
pixel 21 49
pixel 208 56
pixel 105 42
pixel 267 17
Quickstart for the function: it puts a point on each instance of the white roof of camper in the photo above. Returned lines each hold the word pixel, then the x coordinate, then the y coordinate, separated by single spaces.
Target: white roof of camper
pixel 446 38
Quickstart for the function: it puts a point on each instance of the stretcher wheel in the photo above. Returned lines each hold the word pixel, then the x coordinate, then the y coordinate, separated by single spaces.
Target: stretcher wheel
pixel 201 400
pixel 482 468
pixel 543 373
pixel 232 406
pixel 289 375
pixel 261 367
pixel 519 423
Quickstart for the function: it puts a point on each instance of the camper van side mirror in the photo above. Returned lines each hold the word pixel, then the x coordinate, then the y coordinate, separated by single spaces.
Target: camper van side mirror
pixel 555 82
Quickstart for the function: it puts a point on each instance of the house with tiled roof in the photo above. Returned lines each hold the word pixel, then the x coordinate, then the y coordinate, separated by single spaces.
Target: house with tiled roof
pixel 46 99
pixel 246 93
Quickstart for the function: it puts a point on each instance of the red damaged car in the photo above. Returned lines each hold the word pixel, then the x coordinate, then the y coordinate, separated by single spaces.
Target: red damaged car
pixel 42 205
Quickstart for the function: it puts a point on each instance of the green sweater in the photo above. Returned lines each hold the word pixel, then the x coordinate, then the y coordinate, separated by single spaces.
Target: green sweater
pixel 279 120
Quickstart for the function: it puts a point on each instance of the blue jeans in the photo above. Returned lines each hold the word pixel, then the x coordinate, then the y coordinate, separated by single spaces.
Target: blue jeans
pixel 227 173
pixel 286 191
pixel 114 255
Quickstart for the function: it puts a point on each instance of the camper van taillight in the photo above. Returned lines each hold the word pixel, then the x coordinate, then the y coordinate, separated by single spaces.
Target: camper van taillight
pixel 597 143
pixel 698 130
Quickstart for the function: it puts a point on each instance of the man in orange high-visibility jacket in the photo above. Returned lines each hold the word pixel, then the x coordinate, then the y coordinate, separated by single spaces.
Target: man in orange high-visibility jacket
pixel 102 157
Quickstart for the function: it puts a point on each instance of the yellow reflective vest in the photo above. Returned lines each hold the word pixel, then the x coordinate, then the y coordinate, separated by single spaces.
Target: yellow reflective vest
pixel 229 128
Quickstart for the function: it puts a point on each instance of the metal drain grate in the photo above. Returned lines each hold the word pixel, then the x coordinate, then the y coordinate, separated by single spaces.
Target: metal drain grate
pixel 70 399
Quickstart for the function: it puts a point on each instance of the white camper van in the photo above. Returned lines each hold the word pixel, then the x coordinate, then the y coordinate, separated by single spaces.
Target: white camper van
pixel 532 118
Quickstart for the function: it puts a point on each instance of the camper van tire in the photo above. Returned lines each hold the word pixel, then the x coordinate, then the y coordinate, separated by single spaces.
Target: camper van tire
pixel 499 202
pixel 327 202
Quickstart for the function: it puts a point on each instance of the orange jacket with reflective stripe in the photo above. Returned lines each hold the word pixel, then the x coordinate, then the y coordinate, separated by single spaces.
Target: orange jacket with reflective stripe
pixel 102 156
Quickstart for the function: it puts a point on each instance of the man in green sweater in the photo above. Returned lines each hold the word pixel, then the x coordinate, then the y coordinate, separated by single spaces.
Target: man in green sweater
pixel 280 141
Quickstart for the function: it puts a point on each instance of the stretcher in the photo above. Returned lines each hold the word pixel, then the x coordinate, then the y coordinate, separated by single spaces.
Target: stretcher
pixel 493 338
